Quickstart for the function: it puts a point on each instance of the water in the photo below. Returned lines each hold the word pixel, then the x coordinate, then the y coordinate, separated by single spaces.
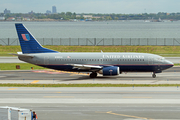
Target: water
pixel 126 29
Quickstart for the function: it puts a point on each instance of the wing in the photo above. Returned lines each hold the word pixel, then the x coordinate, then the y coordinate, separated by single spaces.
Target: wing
pixel 86 67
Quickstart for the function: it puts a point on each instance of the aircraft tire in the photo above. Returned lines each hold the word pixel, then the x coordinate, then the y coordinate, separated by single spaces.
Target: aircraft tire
pixel 93 75
pixel 154 75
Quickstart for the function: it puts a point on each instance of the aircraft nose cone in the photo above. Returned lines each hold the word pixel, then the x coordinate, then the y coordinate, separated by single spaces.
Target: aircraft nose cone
pixel 169 63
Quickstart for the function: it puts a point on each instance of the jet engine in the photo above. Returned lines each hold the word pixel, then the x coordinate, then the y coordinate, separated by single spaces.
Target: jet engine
pixel 109 71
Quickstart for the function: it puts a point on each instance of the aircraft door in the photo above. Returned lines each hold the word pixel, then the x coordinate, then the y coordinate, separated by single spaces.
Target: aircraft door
pixel 150 60
pixel 46 60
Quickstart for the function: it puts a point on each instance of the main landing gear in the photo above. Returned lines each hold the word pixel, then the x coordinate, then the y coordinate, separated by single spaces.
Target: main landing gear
pixel 154 75
pixel 93 75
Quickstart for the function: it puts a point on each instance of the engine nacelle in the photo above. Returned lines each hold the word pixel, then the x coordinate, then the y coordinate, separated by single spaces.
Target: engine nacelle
pixel 109 71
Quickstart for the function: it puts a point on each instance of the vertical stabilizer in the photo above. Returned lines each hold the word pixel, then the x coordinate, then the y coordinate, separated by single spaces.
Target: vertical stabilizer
pixel 28 43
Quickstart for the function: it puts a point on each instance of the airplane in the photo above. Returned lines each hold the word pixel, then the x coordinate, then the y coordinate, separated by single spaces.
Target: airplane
pixel 107 64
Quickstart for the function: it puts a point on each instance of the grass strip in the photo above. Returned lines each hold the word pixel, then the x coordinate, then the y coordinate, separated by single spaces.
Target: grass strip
pixel 89 85
pixel 166 51
pixel 23 66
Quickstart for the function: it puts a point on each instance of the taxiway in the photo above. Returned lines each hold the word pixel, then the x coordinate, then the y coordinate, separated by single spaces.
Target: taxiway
pixel 108 103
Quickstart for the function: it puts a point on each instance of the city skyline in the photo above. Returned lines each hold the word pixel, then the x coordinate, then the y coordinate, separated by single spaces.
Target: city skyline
pixel 92 6
pixel 54 10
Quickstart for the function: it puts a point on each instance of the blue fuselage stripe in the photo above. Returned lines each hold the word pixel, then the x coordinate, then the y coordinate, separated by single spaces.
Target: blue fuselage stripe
pixel 123 68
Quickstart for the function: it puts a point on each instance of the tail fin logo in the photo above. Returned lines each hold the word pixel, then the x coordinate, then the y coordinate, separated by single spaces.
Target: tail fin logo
pixel 25 37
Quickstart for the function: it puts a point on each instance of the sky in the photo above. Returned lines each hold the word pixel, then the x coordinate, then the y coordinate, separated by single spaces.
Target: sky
pixel 92 6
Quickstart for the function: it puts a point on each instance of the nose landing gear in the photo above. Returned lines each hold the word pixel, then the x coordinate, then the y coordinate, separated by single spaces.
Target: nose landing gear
pixel 154 75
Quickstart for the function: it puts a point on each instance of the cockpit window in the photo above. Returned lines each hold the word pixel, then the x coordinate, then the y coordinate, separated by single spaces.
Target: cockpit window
pixel 160 58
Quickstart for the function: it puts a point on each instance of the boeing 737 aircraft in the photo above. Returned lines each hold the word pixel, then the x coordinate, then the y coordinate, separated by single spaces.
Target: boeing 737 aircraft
pixel 107 64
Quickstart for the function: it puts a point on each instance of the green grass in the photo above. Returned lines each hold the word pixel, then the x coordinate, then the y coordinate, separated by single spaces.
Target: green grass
pixel 172 51
pixel 23 66
pixel 89 85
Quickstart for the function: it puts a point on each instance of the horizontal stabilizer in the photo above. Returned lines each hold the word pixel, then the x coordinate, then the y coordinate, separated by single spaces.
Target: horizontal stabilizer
pixel 23 55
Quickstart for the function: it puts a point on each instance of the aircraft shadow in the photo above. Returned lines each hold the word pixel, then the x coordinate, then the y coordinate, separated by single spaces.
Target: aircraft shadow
pixel 105 78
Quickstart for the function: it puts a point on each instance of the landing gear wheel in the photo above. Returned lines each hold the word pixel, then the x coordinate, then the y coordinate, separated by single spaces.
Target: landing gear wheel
pixel 93 75
pixel 154 75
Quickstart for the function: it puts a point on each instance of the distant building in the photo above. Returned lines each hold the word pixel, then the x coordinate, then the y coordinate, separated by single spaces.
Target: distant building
pixel 48 12
pixel 31 12
pixel 11 19
pixel 97 17
pixel 87 16
pixel 7 11
pixel 78 15
pixel 26 19
pixel 2 18
pixel 54 11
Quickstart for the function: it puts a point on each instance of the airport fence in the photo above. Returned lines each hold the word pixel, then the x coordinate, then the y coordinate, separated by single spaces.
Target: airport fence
pixel 99 41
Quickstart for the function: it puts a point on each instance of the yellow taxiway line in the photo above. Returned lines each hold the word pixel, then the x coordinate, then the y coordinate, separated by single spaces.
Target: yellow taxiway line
pixel 12 88
pixel 130 116
pixel 36 81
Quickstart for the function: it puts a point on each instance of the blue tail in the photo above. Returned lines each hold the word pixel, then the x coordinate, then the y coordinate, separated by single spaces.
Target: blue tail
pixel 28 43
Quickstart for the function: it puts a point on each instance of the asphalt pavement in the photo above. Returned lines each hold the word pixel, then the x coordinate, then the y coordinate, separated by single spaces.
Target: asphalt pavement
pixel 170 76
pixel 93 103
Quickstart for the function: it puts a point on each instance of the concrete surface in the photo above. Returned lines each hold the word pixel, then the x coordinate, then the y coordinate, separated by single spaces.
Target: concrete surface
pixel 170 76
pixel 95 103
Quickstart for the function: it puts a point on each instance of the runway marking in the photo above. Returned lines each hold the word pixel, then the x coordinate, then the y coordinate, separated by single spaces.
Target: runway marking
pixel 137 97
pixel 73 75
pixel 34 81
pixel 12 88
pixel 58 92
pixel 110 112
pixel 59 72
pixel 58 96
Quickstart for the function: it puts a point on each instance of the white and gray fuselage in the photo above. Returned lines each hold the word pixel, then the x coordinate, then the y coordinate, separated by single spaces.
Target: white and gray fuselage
pixel 127 62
